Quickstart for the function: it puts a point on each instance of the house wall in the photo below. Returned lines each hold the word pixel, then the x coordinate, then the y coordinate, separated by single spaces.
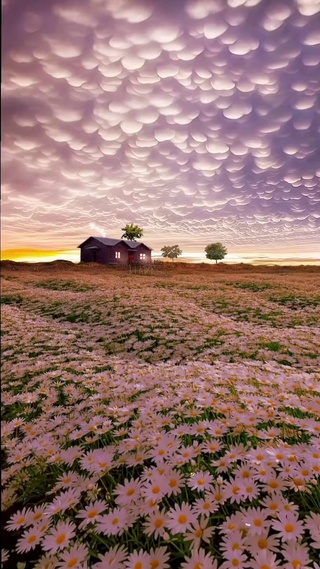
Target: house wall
pixel 142 249
pixel 104 254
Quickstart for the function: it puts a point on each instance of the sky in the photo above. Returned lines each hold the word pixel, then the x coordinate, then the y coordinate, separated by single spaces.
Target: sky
pixel 198 120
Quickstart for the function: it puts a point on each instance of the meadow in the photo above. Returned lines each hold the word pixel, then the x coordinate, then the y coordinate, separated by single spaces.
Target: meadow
pixel 160 420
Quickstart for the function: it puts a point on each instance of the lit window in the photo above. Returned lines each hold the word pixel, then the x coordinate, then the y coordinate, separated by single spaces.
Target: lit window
pixel 117 254
pixel 142 256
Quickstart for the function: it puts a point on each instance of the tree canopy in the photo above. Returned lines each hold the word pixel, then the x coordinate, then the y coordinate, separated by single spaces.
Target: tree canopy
pixel 171 251
pixel 131 232
pixel 215 251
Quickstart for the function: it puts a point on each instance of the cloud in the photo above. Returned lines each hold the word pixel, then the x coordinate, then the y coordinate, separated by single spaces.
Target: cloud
pixel 195 117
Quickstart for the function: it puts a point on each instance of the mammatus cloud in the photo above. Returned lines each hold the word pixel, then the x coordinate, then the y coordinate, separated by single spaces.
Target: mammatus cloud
pixel 197 119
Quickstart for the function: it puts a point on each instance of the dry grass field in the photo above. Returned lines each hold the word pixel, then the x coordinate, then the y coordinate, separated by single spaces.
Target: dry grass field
pixel 161 419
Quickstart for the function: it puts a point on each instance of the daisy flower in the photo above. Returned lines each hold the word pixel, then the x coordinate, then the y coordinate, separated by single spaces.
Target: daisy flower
pixel 59 537
pixel 199 532
pixel 158 558
pixel 255 520
pixel 20 519
pixel 296 556
pixel 47 562
pixel 127 492
pixel 138 560
pixel 232 490
pixel 235 560
pixel 181 518
pixel 233 541
pixel 29 539
pixel 155 523
pixel 261 542
pixel 265 560
pixel 112 523
pixel 312 523
pixel 200 481
pixel 175 481
pixel 74 558
pixel 199 559
pixel 205 505
pixel 288 526
pixel 114 558
pixel 91 512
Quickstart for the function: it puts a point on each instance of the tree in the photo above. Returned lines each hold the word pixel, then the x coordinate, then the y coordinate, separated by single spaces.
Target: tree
pixel 171 251
pixel 215 251
pixel 131 232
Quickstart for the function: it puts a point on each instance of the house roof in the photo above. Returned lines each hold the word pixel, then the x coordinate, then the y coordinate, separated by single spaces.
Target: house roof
pixel 111 242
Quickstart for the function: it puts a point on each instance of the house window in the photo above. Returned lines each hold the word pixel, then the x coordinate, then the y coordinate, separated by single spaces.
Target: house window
pixel 117 254
pixel 142 256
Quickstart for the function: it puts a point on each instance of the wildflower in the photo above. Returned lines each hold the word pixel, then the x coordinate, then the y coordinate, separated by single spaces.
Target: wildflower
pixel 29 539
pixel 174 482
pixel 59 538
pixel 200 481
pixel 261 542
pixel 158 558
pixel 199 559
pixel 155 523
pixel 138 560
pixel 205 505
pixel 19 519
pixel 47 562
pixel 265 560
pixel 74 558
pixel 112 523
pixel 255 520
pixel 91 512
pixel 288 526
pixel 181 518
pixel 312 523
pixel 113 558
pixel 199 532
pixel 128 492
pixel 235 560
pixel 232 523
pixel 296 556
pixel 232 490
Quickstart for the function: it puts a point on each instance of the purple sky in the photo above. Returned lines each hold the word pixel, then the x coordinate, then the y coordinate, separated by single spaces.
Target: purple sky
pixel 196 119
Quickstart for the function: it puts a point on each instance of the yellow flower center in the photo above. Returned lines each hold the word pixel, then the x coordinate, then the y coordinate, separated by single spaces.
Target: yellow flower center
pixel 201 480
pixel 296 564
pixel 182 519
pixel 72 562
pixel 235 562
pixel 155 490
pixel 115 521
pixel 257 523
pixel 154 564
pixel 137 565
pixel 61 538
pixel 172 483
pixel 130 491
pixel 262 543
pixel 32 538
pixel 158 523
pixel 289 528
pixel 92 514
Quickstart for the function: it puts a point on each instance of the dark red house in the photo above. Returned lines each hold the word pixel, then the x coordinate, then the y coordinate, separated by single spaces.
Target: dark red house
pixel 114 251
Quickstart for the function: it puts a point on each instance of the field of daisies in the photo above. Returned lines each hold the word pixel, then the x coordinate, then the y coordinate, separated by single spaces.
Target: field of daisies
pixel 162 420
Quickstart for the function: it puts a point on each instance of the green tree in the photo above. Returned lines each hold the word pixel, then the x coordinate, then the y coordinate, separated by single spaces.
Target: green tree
pixel 215 251
pixel 171 251
pixel 131 232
